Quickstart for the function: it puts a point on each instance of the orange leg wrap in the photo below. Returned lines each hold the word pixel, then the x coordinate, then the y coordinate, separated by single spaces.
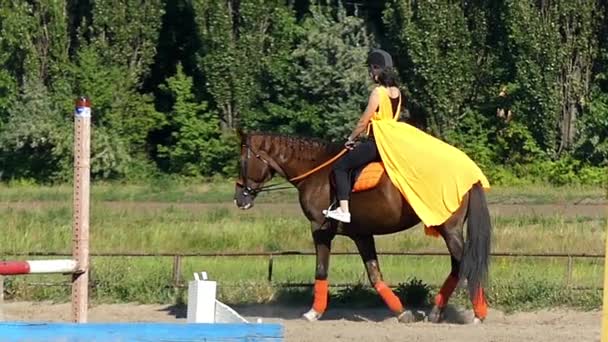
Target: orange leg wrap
pixel 480 306
pixel 391 300
pixel 321 290
pixel 441 300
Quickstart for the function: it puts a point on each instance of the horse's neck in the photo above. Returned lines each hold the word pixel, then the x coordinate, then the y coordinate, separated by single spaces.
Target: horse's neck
pixel 299 167
pixel 295 158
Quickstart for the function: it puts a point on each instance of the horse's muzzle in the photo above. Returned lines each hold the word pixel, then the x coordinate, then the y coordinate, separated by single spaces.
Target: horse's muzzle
pixel 243 206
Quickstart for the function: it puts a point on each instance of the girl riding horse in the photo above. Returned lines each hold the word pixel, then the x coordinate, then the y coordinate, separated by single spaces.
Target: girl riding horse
pixel 426 181
pixel 420 165
pixel 381 71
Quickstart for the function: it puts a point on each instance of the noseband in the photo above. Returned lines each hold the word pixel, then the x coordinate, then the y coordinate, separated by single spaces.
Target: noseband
pixel 248 190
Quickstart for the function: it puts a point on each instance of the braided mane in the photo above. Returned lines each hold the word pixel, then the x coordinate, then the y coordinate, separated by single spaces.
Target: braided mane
pixel 300 147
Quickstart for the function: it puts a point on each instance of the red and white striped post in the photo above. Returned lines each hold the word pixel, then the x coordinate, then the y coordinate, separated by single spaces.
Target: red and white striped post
pixel 37 266
pixel 80 232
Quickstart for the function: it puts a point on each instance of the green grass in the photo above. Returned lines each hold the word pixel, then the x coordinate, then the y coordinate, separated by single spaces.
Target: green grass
pixel 148 219
pixel 134 228
pixel 215 192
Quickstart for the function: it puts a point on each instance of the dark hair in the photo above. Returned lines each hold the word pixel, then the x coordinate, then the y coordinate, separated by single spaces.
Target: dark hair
pixel 384 76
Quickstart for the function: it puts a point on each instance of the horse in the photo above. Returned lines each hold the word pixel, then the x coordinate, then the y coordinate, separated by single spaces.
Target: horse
pixel 304 162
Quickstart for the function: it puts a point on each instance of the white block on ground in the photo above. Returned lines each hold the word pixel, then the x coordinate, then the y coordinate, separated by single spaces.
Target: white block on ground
pixel 226 314
pixel 201 300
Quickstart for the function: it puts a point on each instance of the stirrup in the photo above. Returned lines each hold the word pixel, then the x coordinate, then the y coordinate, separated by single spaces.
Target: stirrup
pixel 338 215
pixel 325 211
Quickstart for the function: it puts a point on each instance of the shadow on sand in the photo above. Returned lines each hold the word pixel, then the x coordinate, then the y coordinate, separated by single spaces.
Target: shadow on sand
pixel 350 305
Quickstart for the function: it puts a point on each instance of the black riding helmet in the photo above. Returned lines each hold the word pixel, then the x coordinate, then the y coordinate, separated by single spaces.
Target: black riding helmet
pixel 380 59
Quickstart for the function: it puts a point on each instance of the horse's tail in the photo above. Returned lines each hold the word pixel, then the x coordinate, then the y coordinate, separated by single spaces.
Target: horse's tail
pixel 476 258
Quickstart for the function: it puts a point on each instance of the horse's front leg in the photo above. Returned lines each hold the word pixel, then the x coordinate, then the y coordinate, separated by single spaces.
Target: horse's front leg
pixel 367 250
pixel 322 239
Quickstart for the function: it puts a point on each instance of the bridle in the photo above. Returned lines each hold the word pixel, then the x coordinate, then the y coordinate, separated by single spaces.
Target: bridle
pixel 247 189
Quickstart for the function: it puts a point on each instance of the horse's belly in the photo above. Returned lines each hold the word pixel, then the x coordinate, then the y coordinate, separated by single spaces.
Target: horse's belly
pixel 382 210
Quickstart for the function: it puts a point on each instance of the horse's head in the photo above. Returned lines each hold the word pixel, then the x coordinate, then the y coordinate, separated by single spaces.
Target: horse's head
pixel 256 168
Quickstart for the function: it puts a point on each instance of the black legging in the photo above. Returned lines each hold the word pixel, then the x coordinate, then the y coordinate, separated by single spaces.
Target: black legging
pixel 364 153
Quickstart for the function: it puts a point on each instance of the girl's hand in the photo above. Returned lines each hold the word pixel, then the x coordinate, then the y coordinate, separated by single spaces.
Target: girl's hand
pixel 349 144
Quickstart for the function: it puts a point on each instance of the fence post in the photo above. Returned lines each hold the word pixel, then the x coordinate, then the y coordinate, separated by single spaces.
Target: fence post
pixel 177 271
pixel 270 262
pixel 569 271
pixel 1 289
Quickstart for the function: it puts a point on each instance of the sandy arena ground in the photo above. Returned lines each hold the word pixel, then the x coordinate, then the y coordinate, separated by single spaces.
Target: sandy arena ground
pixel 352 324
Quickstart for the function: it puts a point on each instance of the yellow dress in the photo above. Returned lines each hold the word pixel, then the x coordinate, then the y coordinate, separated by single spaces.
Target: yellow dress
pixel 432 175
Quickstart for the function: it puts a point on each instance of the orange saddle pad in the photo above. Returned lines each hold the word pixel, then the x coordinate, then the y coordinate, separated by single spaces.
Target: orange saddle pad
pixel 369 177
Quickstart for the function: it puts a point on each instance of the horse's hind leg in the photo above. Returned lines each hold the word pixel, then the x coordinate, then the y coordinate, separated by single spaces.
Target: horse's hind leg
pixel 448 287
pixel 367 250
pixel 452 234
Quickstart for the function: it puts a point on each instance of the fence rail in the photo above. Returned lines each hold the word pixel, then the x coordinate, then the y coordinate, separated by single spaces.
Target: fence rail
pixel 177 281
pixel 282 253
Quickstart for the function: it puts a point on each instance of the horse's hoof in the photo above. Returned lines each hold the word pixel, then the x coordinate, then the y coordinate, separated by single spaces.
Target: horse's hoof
pixel 312 315
pixel 436 315
pixel 408 316
pixel 477 320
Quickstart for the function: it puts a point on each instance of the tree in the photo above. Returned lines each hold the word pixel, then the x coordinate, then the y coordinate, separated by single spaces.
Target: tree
pixel 554 46
pixel 195 148
pixel 329 85
pixel 115 49
pixel 437 59
pixel 100 49
pixel 237 45
pixel 36 140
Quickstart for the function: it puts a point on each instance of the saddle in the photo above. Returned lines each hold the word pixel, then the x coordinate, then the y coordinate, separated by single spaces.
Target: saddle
pixel 367 177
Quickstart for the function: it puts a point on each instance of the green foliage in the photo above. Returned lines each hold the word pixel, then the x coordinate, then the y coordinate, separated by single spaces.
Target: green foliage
pixel 31 47
pixel 122 116
pixel 592 144
pixel 553 47
pixel 35 38
pixel 125 33
pixel 105 62
pixel 516 145
pixel 358 295
pixel 472 137
pixel 115 54
pixel 297 68
pixel 35 143
pixel 196 147
pixel 238 39
pixel 414 293
pixel 331 72
pixel 437 58
pixel 538 294
pixel 563 171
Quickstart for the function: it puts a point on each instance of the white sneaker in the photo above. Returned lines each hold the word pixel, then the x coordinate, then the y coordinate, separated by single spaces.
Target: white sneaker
pixel 337 214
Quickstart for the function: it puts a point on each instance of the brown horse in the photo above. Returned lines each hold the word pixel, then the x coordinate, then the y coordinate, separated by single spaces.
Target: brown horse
pixel 381 210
